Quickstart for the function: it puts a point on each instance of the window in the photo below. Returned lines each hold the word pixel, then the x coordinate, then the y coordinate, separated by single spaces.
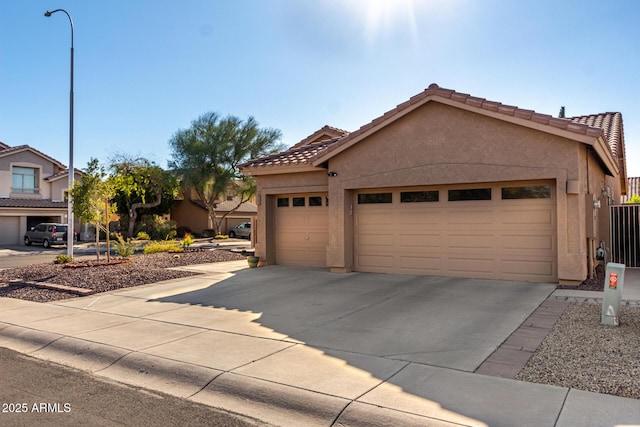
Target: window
pixel 298 201
pixel 470 194
pixel 365 199
pixel 283 202
pixel 24 180
pixel 527 192
pixel 419 196
pixel 315 201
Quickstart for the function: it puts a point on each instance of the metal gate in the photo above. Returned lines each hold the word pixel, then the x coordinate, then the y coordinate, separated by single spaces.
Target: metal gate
pixel 625 235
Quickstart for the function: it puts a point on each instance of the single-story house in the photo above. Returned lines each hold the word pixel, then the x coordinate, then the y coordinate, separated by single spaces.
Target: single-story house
pixel 445 184
pixel 191 213
pixel 33 189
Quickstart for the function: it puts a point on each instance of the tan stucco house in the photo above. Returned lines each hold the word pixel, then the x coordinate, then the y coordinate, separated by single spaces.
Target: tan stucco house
pixel 445 184
pixel 33 189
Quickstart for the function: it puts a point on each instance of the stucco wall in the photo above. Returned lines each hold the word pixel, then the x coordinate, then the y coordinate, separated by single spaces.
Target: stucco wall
pixel 438 144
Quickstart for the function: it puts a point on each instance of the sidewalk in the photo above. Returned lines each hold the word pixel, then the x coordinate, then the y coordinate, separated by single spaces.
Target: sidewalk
pixel 157 337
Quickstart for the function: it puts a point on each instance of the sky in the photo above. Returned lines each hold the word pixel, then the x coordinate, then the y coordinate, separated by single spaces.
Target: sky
pixel 145 69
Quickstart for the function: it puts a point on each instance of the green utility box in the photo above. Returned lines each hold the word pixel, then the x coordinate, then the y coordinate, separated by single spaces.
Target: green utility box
pixel 613 283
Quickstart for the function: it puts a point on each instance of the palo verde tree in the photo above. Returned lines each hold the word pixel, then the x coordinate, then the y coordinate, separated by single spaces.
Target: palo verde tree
pixel 141 186
pixel 92 196
pixel 206 158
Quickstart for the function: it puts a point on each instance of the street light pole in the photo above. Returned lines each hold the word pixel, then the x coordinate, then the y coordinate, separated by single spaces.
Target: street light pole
pixel 70 223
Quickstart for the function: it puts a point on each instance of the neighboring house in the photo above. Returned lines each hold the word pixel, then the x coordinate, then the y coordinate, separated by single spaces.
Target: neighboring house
pixel 445 184
pixel 192 213
pixel 33 188
pixel 633 189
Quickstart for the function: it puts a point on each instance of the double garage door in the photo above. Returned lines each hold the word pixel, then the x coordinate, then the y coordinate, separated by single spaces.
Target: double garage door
pixel 498 231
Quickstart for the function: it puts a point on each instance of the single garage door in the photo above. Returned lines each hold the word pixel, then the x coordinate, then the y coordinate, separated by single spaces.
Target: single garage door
pixel 301 229
pixel 498 231
pixel 10 230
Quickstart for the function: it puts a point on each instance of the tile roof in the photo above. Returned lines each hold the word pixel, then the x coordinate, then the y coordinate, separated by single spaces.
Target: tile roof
pixel 608 125
pixel 63 173
pixel 31 203
pixel 325 133
pixel 3 145
pixel 611 124
pixel 10 150
pixel 296 155
pixel 226 206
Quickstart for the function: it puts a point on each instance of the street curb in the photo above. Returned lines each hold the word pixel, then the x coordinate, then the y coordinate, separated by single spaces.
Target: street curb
pixel 274 403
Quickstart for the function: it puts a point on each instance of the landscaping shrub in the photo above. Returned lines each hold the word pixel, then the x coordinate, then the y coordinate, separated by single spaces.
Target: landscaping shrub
pixel 142 236
pixel 124 248
pixel 187 241
pixel 221 236
pixel 63 259
pixel 161 246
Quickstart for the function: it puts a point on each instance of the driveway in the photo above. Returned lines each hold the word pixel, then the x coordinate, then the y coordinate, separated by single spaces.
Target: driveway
pixel 299 346
pixel 440 321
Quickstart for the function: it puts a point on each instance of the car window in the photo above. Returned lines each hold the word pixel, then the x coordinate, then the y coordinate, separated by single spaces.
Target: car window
pixel 50 228
pixel 61 228
pixel 41 227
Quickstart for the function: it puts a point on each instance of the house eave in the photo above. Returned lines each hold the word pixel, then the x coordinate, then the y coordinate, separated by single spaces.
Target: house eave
pixel 277 170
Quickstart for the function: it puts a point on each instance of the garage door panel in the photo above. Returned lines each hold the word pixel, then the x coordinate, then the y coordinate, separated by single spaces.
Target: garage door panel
pixel 376 262
pixel 301 233
pixel 476 266
pixel 418 218
pixel 511 239
pixel 10 230
pixel 375 240
pixel 528 242
pixel 418 241
pixel 470 217
pixel 378 218
pixel 470 241
pixel 413 264
pixel 524 216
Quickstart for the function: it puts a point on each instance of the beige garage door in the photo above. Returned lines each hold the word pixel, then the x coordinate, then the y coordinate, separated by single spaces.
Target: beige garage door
pixel 10 230
pixel 301 229
pixel 499 231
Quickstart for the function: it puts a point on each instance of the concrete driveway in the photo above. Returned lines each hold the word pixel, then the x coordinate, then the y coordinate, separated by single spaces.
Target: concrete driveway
pixel 446 322
pixel 298 346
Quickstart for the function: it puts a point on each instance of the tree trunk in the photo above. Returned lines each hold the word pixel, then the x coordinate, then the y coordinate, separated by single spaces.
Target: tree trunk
pixel 106 215
pixel 133 212
pixel 97 224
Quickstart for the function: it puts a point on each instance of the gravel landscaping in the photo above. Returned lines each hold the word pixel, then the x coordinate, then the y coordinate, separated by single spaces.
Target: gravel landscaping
pixel 581 353
pixel 139 270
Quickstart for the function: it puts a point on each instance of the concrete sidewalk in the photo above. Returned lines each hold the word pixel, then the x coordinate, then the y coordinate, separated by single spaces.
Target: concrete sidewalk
pixel 294 346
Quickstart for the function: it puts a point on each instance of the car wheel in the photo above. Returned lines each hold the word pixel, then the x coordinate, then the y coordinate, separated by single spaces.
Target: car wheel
pixel 27 241
pixel 46 244
pixel 232 234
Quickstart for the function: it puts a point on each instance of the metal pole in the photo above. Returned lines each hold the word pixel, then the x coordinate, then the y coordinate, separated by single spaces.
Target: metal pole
pixel 70 221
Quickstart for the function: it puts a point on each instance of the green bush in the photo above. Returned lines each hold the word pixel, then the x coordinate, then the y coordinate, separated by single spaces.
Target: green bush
pixel 157 227
pixel 142 235
pixel 161 246
pixel 124 248
pixel 62 259
pixel 187 241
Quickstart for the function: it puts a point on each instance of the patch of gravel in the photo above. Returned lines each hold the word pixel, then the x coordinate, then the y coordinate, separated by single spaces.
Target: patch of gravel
pixel 581 353
pixel 141 270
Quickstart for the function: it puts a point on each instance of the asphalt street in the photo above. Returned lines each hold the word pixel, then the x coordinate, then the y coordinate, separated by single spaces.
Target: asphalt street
pixel 34 392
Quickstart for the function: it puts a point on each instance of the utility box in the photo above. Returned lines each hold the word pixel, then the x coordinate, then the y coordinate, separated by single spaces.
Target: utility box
pixel 613 283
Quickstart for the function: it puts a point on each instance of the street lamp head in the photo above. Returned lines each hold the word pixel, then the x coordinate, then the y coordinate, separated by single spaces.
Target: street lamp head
pixel 47 13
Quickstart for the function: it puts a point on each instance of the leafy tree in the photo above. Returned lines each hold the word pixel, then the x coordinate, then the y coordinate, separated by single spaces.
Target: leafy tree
pixel 141 187
pixel 206 157
pixel 92 195
pixel 634 199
